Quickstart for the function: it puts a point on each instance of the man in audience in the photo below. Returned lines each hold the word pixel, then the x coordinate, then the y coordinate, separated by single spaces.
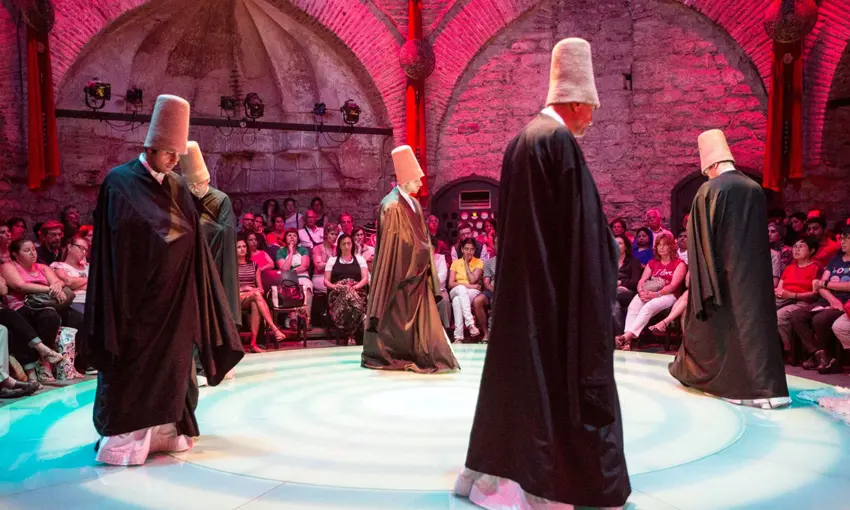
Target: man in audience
pixel 547 430
pixel 485 300
pixel 50 249
pixel 682 244
pixel 17 227
pixel 464 232
pixel 433 224
pixel 311 235
pixel 346 224
pixel 247 223
pixel 259 225
pixel 404 331
pixel 317 205
pixel 827 248
pixel 653 221
pixel 731 347
pixel 152 297
pixel 70 219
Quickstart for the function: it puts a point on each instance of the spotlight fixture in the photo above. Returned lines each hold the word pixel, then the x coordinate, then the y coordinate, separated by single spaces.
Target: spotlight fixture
pixel 254 108
pixel 97 93
pixel 228 104
pixel 319 109
pixel 350 112
pixel 134 97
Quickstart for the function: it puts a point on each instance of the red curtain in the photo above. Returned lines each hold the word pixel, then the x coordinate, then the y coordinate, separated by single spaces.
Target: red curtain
pixel 43 141
pixel 783 158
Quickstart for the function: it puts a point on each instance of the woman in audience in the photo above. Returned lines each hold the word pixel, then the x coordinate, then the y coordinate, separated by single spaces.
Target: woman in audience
pixel 74 271
pixel 292 218
pixel 25 276
pixel 346 277
pixel 360 247
pixel 795 291
pixel 619 227
pixel 642 245
pixel 628 276
pixel 260 226
pixel 70 219
pixel 251 294
pixel 780 254
pixel 257 251
pixel 9 387
pixel 318 207
pixel 321 254
pixel 297 258
pixel 270 209
pixel 465 276
pixel 5 241
pixel 17 227
pixel 86 232
pixel 658 288
pixel 276 236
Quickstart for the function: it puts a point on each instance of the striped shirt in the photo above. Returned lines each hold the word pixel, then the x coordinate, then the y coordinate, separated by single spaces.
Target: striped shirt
pixel 248 275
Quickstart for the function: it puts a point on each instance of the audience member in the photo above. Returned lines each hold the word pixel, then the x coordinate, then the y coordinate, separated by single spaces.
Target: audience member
pixel 361 248
pixel 317 205
pixel 642 245
pixel 795 291
pixel 293 219
pixel 653 221
pixel 465 277
pixel 464 232
pixel 486 300
pixel 70 218
pixel 682 245
pixel 9 387
pixel 797 230
pixel 619 227
pixel 321 254
pixel 658 288
pixel 776 237
pixel 246 224
pixel 628 275
pixel 256 244
pixel 433 224
pixel 86 233
pixel 275 237
pixel 827 248
pixel 5 241
pixel 17 227
pixel 251 294
pixel 270 209
pixel 51 242
pixel 444 305
pixel 260 225
pixel 297 258
pixel 346 224
pixel 74 271
pixel 346 277
pixel 311 235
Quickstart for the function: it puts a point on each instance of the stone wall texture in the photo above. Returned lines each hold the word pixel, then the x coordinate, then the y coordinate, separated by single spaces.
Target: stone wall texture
pixel 694 65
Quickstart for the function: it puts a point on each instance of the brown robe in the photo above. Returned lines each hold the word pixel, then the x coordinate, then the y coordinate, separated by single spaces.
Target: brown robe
pixel 404 331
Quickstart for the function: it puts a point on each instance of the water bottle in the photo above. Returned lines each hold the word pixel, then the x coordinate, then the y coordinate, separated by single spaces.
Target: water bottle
pixel 274 297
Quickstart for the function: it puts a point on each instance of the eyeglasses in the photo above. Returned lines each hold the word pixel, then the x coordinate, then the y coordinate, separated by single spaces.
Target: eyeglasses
pixel 80 247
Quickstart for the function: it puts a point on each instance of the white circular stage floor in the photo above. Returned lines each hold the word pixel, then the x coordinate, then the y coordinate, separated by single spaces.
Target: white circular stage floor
pixel 311 429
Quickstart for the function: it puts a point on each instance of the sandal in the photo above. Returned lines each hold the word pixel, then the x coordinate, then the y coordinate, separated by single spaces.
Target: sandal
pixel 659 327
pixel 256 349
pixel 279 336
pixel 52 357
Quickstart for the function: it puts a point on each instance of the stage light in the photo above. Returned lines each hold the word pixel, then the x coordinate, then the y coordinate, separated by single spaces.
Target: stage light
pixel 228 104
pixel 97 93
pixel 254 108
pixel 320 109
pixel 134 97
pixel 350 112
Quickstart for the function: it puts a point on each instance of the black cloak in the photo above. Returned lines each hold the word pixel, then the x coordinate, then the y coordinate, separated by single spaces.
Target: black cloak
pixel 548 414
pixel 731 346
pixel 153 296
pixel 219 226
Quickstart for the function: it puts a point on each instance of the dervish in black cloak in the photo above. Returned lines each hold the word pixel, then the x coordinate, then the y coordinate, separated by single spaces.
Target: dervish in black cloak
pixel 731 346
pixel 153 296
pixel 548 413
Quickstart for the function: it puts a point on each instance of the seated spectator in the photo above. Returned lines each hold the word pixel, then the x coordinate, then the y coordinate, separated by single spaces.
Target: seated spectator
pixel 628 276
pixel 776 238
pixel 9 387
pixel 5 241
pixel 17 227
pixel 685 219
pixel 371 230
pixel 795 291
pixel 276 236
pixel 259 226
pixel 297 258
pixel 797 222
pixel 70 218
pixel 682 245
pixel 841 327
pixel 270 209
pixel 464 232
pixel 25 276
pixel 465 277
pixel 642 246
pixel 619 227
pixel 486 300
pixel 444 306
pixel 346 277
pixel 321 254
pixel 311 235
pixel 827 248
pixel 51 248
pixel 292 218
pixel 346 224
pixel 666 272
pixel 318 207
pixel 360 247
pixel 676 311
pixel 86 232
pixel 256 244
pixel 485 238
pixel 74 271
pixel 653 221
pixel 814 328
pixel 247 223
pixel 252 296
pixel 433 224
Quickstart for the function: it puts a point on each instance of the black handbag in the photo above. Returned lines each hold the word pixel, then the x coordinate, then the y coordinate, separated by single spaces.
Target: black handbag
pixel 44 300
pixel 284 290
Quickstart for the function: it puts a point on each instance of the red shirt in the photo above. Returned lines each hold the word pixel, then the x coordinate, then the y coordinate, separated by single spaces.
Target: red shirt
pixel 826 251
pixel 665 271
pixel 799 279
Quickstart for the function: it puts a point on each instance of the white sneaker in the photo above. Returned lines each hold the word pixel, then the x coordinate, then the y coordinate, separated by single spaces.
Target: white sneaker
pixel 202 381
pixel 762 403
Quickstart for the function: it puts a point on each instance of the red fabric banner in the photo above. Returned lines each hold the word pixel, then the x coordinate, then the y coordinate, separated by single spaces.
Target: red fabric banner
pixel 43 142
pixel 783 157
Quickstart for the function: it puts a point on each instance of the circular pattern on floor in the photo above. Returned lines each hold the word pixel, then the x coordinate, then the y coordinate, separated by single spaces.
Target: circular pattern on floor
pixel 310 428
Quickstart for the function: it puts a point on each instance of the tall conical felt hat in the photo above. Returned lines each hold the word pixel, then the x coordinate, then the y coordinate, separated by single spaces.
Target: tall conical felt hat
pixel 406 166
pixel 169 129
pixel 571 74
pixel 713 149
pixel 193 166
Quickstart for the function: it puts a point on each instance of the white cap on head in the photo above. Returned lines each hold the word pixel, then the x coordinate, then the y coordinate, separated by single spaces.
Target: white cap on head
pixel 713 149
pixel 406 166
pixel 193 166
pixel 169 129
pixel 571 74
